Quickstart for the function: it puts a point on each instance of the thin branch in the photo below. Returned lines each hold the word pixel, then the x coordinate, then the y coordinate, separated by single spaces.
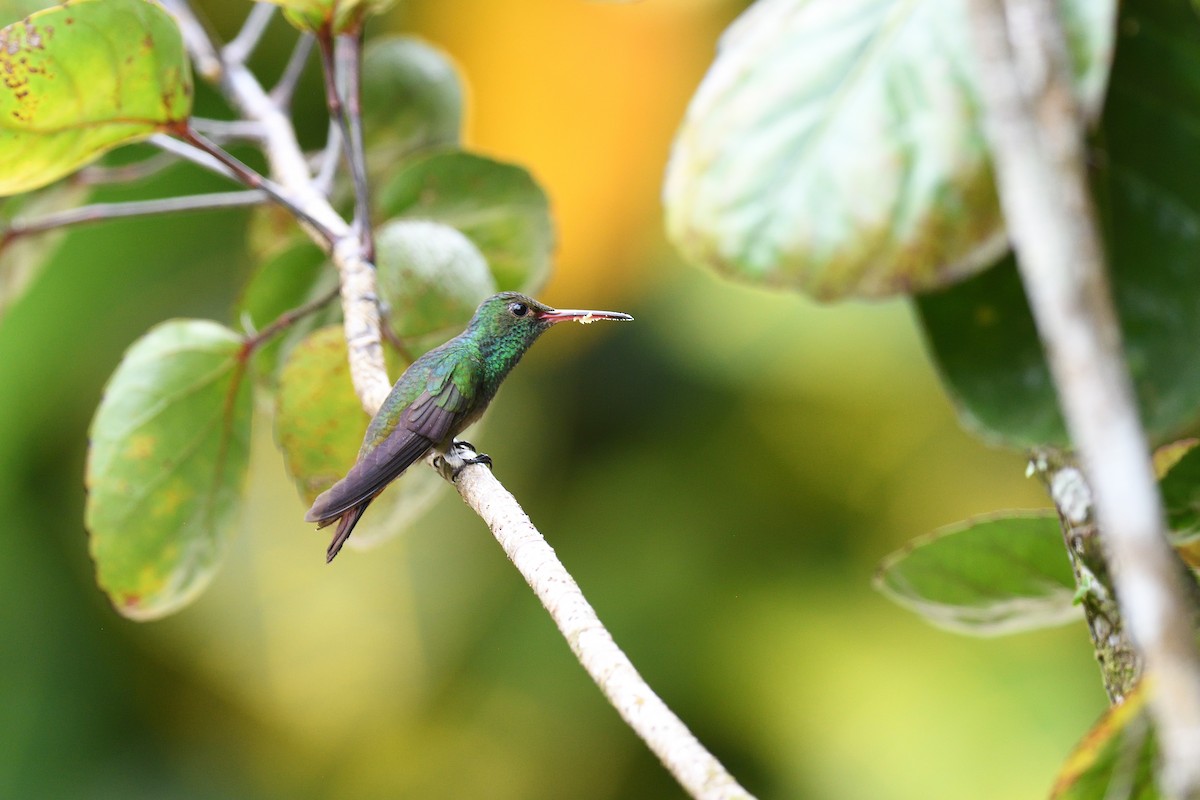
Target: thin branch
pixel 1120 663
pixel 329 159
pixel 697 771
pixel 98 175
pixel 187 152
pixel 199 42
pixel 1034 125
pixel 252 179
pixel 282 92
pixel 242 45
pixel 340 64
pixel 289 318
pixel 100 212
pixel 224 130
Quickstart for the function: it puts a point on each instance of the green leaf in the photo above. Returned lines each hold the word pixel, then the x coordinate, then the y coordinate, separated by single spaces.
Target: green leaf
pixel 291 277
pixel 319 426
pixel 985 577
pixel 1115 758
pixel 412 100
pixel 431 279
pixel 981 332
pixel 986 347
pixel 166 465
pixel 837 148
pixel 498 206
pixel 338 16
pixel 22 259
pixel 81 79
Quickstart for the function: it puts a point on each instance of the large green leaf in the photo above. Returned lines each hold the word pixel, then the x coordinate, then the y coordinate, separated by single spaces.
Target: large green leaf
pixel 837 147
pixel 986 577
pixel 166 465
pixel 83 78
pixel 981 332
pixel 498 206
pixel 412 100
pixel 1116 757
pixel 319 426
pixel 431 279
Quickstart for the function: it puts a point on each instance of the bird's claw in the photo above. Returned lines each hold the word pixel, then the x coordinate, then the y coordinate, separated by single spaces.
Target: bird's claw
pixel 478 458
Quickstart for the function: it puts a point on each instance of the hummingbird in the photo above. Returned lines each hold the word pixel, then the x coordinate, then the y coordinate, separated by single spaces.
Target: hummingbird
pixel 439 395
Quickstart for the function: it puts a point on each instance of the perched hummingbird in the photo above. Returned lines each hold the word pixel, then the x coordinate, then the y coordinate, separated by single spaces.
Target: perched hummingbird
pixel 440 394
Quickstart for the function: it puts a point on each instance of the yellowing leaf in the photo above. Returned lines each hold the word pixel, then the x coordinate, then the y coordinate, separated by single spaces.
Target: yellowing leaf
pixel 80 79
pixel 166 464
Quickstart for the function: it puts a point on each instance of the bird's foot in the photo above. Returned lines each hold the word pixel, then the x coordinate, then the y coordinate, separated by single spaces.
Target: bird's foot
pixel 478 458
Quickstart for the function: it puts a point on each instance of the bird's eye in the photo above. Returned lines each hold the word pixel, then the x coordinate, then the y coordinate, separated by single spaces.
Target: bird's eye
pixel 519 309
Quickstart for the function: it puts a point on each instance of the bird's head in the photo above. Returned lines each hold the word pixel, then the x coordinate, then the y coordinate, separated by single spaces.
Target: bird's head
pixel 510 322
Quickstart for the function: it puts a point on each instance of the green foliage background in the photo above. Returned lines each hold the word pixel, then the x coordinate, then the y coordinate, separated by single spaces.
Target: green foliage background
pixel 721 477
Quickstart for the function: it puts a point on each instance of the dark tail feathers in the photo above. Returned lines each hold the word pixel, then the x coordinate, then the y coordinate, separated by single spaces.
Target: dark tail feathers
pixel 344 529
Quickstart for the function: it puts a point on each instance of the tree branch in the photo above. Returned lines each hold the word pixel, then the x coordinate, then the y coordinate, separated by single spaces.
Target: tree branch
pixel 697 771
pixel 242 45
pixel 1035 128
pixel 679 750
pixel 100 212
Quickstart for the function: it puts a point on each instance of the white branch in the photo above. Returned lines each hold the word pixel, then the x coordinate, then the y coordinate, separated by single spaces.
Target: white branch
pixel 1034 125
pixel 696 769
pixel 700 774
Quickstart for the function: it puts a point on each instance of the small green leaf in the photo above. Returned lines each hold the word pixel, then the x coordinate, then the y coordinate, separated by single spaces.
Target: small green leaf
pixel 319 426
pixel 431 279
pixel 498 206
pixel 166 465
pixel 412 100
pixel 1115 758
pixel 985 577
pixel 83 78
pixel 291 277
pixel 338 16
pixel 836 148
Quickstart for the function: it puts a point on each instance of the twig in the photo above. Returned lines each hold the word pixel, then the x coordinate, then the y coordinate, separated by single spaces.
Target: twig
pixel 99 175
pixel 339 64
pixel 283 91
pixel 197 40
pixel 252 179
pixel 697 771
pixel 329 159
pixel 288 318
pixel 242 45
pixel 1120 664
pixel 1034 126
pixel 100 212
pixel 223 130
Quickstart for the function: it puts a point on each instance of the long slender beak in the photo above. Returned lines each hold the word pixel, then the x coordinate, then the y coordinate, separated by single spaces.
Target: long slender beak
pixel 582 316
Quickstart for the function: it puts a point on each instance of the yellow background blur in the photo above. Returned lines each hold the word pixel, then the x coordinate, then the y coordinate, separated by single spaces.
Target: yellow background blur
pixel 721 477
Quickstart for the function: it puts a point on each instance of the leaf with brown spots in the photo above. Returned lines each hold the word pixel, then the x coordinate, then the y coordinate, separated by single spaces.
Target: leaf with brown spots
pixel 166 466
pixel 81 79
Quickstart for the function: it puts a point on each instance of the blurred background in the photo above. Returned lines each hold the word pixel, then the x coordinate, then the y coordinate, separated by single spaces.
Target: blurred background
pixel 721 477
